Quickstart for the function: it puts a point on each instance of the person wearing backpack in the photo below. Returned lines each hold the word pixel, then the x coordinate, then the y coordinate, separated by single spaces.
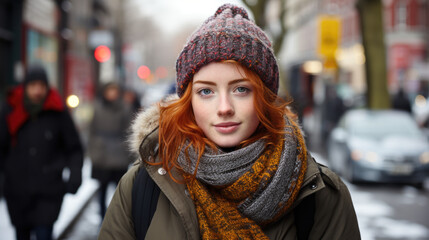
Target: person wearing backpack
pixel 226 158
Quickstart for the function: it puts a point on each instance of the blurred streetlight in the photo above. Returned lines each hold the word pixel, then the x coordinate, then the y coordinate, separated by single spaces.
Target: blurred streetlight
pixel 420 101
pixel 313 67
pixel 72 101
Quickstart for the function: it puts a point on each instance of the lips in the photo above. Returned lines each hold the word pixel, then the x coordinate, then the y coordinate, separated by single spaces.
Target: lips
pixel 227 127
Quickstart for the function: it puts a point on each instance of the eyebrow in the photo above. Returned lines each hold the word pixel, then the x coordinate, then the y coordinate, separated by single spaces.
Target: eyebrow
pixel 214 83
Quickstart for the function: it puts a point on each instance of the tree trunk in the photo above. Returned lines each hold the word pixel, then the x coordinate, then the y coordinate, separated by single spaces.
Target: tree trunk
pixel 258 8
pixel 372 30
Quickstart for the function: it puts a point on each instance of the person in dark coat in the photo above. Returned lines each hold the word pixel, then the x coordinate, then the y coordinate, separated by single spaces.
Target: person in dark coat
pixel 38 140
pixel 401 102
pixel 107 146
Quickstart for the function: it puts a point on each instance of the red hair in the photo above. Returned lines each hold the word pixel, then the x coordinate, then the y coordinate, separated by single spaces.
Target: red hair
pixel 177 122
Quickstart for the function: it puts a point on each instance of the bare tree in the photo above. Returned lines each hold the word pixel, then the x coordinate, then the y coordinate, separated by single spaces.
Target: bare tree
pixel 372 30
pixel 261 13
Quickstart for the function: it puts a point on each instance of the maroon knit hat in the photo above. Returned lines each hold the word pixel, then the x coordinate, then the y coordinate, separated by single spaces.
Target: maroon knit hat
pixel 228 35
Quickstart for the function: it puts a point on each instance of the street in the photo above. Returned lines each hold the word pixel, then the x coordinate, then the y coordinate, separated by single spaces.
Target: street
pixel 388 211
pixel 87 225
pixel 385 212
pixel 391 212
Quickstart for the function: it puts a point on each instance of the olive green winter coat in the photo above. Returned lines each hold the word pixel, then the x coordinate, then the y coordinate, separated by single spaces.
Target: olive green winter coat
pixel 175 216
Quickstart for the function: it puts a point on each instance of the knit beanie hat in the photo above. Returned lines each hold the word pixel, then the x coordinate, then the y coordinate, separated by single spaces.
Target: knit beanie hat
pixel 228 35
pixel 36 72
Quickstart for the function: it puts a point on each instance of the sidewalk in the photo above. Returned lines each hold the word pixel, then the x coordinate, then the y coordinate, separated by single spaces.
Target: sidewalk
pixel 72 205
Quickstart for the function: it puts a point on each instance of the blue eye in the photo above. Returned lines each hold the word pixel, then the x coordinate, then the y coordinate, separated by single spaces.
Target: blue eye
pixel 242 89
pixel 205 91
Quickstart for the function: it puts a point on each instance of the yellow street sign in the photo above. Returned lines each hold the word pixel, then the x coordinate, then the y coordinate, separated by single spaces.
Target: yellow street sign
pixel 329 35
pixel 330 63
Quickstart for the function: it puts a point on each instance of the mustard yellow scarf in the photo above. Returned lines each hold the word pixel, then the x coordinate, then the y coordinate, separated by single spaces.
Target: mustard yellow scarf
pixel 258 196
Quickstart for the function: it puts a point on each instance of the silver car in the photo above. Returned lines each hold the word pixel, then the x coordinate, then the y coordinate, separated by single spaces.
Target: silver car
pixel 379 146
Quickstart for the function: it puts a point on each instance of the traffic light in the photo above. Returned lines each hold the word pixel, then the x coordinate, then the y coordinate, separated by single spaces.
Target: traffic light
pixel 102 53
pixel 143 72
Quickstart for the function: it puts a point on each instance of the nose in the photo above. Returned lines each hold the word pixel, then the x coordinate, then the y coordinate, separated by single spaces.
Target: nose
pixel 39 89
pixel 225 107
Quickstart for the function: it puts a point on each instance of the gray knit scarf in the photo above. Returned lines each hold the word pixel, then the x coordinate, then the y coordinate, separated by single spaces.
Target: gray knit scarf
pixel 223 168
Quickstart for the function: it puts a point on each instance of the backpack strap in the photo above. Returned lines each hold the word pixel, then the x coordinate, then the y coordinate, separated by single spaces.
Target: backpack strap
pixel 304 216
pixel 145 195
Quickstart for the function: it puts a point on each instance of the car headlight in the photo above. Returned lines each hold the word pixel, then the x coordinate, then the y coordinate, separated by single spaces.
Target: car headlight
pixel 372 157
pixel 424 158
pixel 356 155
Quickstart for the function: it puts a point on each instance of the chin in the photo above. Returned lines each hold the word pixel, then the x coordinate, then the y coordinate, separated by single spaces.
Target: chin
pixel 228 143
pixel 36 101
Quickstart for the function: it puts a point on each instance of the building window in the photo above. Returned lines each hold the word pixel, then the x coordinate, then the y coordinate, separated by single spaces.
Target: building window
pixel 388 17
pixel 401 14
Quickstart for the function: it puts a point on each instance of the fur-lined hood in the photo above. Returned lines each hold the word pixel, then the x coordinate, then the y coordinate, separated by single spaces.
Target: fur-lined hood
pixel 145 122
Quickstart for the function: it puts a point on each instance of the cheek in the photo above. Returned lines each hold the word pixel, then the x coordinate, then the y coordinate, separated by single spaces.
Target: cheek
pixel 251 114
pixel 248 108
pixel 253 118
pixel 200 112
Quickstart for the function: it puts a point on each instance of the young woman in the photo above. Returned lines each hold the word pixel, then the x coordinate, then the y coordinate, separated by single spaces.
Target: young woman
pixel 227 159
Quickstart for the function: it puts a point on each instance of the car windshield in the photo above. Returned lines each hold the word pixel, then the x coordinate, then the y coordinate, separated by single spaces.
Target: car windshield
pixel 380 125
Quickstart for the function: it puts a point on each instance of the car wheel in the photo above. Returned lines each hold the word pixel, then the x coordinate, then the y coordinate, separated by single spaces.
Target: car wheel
pixel 419 185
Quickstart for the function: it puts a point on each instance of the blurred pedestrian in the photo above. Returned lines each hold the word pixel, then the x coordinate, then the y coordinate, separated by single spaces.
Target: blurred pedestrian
pixel 107 147
pixel 38 140
pixel 133 99
pixel 401 102
pixel 332 110
pixel 227 159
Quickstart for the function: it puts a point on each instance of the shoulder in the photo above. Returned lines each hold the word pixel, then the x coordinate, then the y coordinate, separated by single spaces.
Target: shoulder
pixel 335 215
pixel 334 201
pixel 5 109
pixel 332 183
pixel 97 104
pixel 127 180
pixel 330 190
pixel 331 178
pixel 321 173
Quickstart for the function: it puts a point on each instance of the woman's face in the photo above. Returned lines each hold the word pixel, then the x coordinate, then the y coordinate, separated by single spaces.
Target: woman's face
pixel 222 101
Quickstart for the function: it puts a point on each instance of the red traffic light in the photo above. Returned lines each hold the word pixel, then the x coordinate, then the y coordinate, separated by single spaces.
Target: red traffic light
pixel 102 53
pixel 143 72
